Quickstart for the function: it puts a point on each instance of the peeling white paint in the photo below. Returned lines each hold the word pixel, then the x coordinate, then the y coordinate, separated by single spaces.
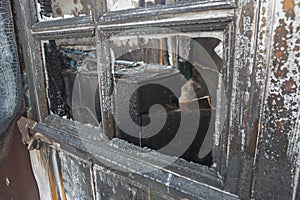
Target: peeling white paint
pixel 67 12
pixel 290 98
pixel 211 14
pixel 114 5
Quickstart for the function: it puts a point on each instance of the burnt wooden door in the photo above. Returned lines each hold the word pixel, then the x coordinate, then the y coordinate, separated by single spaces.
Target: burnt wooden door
pixel 255 138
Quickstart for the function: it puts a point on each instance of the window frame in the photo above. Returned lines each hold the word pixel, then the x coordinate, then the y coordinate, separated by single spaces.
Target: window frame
pixel 103 25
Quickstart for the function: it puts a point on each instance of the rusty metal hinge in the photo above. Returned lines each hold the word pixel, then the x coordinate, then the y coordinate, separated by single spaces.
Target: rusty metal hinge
pixel 32 139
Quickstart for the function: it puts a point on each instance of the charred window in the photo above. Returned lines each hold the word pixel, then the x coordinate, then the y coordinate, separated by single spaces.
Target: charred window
pixel 144 80
pixel 165 91
pixel 140 91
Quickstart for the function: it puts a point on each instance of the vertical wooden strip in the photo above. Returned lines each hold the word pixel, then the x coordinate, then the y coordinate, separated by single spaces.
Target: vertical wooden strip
pixel 278 162
pixel 105 78
pixel 32 59
pixel 240 157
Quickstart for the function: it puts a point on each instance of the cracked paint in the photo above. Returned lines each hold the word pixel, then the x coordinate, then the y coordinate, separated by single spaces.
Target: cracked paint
pixel 280 139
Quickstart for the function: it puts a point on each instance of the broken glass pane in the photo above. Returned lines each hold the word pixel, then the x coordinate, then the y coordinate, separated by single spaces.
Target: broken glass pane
pixel 72 79
pixel 59 9
pixel 165 91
